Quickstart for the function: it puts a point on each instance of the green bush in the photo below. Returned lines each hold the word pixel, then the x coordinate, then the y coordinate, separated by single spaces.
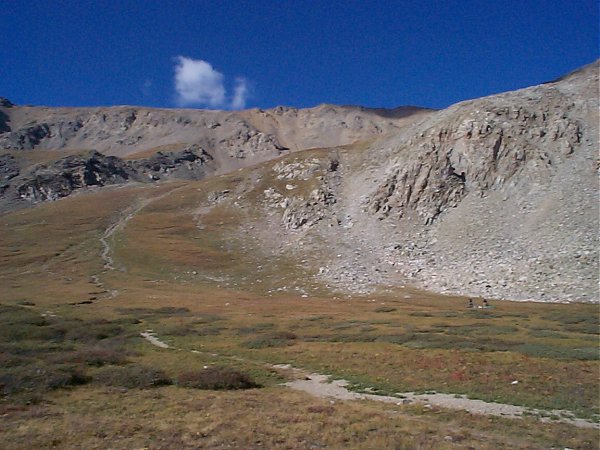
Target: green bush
pixel 543 333
pixel 420 314
pixel 275 339
pixel 91 332
pixel 554 351
pixel 385 309
pixel 257 328
pixel 156 312
pixel 216 378
pixel 132 377
pixel 94 356
pixel 38 378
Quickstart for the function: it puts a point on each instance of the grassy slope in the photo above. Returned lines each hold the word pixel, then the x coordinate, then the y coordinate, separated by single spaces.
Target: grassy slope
pixel 392 343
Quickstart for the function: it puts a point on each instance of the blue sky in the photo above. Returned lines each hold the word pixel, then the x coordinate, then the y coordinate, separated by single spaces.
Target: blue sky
pixel 232 54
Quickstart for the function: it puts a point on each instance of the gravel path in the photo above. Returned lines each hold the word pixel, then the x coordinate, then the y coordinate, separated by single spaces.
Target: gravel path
pixel 319 385
pixel 116 226
pixel 151 337
pixel 105 253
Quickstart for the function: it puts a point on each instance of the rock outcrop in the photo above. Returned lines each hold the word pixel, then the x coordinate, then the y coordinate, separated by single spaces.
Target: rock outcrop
pixel 482 147
pixel 61 178
pixel 189 163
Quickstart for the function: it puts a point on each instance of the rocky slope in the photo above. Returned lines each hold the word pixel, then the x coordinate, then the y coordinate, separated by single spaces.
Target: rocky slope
pixel 496 197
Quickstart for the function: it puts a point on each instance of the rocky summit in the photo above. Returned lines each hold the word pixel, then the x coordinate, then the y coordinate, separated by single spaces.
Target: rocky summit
pixel 494 197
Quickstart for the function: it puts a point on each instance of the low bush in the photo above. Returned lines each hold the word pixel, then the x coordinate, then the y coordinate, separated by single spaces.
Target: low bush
pixel 91 332
pixel 483 314
pixel 256 328
pixel 207 318
pixel 132 377
pixel 543 333
pixel 94 356
pixel 13 332
pixel 189 330
pixel 158 312
pixel 420 314
pixel 589 327
pixel 275 339
pixel 385 309
pixel 38 378
pixel 553 351
pixel 216 378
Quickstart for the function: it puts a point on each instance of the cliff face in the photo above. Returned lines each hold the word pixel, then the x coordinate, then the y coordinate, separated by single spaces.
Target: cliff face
pixel 507 190
pixel 483 145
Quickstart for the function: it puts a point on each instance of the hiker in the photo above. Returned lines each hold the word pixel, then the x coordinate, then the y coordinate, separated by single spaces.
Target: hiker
pixel 485 303
pixel 470 304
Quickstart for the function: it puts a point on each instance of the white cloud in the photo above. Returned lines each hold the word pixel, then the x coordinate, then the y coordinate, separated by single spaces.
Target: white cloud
pixel 198 83
pixel 240 94
pixel 147 88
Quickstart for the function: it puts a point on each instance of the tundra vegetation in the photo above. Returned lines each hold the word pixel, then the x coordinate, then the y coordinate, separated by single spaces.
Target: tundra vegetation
pixel 76 372
pixel 164 290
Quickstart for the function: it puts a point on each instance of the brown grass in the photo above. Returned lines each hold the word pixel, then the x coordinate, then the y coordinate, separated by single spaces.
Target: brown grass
pixel 170 417
pixel 427 342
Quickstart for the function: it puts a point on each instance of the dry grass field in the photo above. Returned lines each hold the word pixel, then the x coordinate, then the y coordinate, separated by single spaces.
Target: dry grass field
pixel 75 372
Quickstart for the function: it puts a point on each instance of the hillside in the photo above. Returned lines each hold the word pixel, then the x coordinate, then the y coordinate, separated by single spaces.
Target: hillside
pixel 494 197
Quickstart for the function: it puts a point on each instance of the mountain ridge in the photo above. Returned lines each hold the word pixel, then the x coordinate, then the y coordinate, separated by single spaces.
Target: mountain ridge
pixel 493 197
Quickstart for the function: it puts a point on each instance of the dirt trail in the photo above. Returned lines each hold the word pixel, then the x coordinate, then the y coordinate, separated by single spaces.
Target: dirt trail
pixel 118 225
pixel 319 385
pixel 150 336
pixel 105 240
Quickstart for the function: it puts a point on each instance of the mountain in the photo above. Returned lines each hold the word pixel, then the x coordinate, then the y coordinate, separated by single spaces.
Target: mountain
pixel 494 197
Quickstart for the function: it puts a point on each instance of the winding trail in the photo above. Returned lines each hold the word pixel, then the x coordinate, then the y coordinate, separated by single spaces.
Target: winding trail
pixel 119 225
pixel 320 386
pixel 107 236
pixel 150 336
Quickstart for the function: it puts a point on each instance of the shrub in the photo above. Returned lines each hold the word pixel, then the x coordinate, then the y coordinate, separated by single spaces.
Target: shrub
pixel 11 360
pixel 95 356
pixel 188 330
pixel 216 378
pixel 207 318
pixel 13 332
pixel 588 327
pixel 543 333
pixel 37 378
pixel 92 332
pixel 420 314
pixel 556 352
pixel 172 311
pixel 147 312
pixel 385 309
pixel 275 339
pixel 133 377
pixel 256 328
